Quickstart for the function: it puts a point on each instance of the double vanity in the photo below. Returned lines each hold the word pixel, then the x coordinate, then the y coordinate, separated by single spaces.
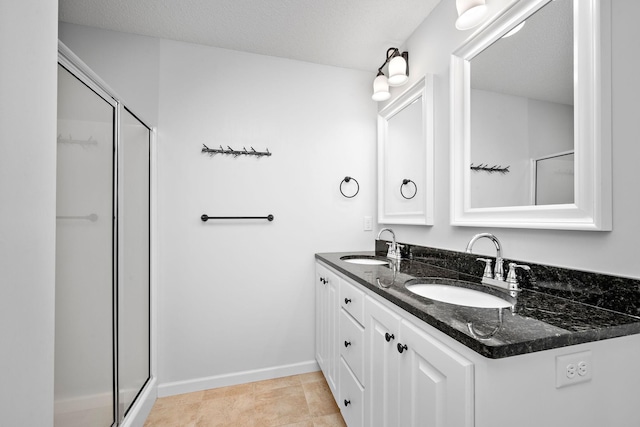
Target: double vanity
pixel 418 336
pixel 422 341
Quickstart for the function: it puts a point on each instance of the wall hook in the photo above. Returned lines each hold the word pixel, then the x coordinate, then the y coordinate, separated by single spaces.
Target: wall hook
pixel 490 169
pixel 235 153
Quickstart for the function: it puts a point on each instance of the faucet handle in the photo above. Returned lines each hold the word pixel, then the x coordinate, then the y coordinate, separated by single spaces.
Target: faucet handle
pixel 391 251
pixel 512 279
pixel 487 267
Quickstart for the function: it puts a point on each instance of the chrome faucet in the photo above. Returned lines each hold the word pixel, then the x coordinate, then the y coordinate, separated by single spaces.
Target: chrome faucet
pixel 394 248
pixel 498 272
pixel 497 279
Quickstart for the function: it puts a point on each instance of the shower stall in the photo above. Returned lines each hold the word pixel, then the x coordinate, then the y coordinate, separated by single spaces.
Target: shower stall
pixel 103 252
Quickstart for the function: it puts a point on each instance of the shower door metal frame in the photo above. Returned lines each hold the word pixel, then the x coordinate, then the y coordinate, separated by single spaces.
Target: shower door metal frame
pixel 74 65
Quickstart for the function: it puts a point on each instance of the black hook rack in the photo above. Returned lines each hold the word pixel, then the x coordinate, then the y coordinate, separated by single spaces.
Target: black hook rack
pixel 206 217
pixel 347 179
pixel 490 169
pixel 415 188
pixel 235 153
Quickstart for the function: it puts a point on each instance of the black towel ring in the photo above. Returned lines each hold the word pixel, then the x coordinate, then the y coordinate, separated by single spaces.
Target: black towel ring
pixel 347 179
pixel 415 191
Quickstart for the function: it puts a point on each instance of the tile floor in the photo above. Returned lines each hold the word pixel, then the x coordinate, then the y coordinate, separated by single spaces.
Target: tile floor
pixel 296 401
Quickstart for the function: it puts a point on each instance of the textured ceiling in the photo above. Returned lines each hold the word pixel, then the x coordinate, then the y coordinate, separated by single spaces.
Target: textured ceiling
pixel 344 33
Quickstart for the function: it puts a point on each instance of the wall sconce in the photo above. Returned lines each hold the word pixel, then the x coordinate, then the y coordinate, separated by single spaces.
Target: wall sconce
pixel 398 74
pixel 470 13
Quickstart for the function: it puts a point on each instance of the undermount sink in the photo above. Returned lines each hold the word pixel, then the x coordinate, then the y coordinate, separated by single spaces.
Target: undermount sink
pixel 364 260
pixel 446 290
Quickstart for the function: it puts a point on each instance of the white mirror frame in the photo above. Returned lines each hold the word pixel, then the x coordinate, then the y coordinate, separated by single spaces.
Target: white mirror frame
pixel 423 90
pixel 592 126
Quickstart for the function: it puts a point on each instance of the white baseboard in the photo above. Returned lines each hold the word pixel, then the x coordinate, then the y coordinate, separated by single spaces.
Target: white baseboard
pixel 199 384
pixel 84 403
pixel 87 410
pixel 140 410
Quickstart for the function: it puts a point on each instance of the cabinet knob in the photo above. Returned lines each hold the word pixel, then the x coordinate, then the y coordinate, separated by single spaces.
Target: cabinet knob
pixel 388 336
pixel 401 347
pixel 347 300
pixel 347 402
pixel 347 343
pixel 323 280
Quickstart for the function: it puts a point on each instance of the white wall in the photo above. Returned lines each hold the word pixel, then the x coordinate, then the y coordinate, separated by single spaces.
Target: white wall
pixel 128 64
pixel 238 296
pixel 609 252
pixel 28 46
pixel 512 131
pixel 500 124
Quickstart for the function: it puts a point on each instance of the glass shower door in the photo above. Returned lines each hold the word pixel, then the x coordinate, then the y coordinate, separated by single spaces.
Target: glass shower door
pixel 84 350
pixel 133 264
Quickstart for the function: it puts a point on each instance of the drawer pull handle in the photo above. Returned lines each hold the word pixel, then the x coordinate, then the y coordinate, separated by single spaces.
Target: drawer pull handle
pixel 347 300
pixel 347 402
pixel 388 336
pixel 401 347
pixel 347 343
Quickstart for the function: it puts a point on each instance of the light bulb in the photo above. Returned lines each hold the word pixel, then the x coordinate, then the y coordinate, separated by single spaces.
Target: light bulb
pixel 515 30
pixel 470 13
pixel 380 88
pixel 398 71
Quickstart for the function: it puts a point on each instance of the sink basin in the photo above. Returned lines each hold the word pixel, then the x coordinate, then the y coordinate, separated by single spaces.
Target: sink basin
pixel 447 291
pixel 364 260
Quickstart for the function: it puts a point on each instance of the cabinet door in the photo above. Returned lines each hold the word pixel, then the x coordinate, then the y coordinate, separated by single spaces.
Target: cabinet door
pixel 327 309
pixel 321 316
pixel 381 365
pixel 436 383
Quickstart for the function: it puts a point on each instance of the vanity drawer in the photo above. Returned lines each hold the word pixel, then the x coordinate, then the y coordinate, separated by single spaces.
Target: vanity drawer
pixel 352 300
pixel 352 344
pixel 351 397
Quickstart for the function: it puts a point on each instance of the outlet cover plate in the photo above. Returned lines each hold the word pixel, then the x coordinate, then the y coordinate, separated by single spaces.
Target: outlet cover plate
pixel 573 368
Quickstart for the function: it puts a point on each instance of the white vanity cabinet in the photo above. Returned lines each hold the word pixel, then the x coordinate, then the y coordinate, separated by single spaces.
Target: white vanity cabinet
pixel 373 382
pixel 413 378
pixel 327 310
pixel 352 354
pixel 439 382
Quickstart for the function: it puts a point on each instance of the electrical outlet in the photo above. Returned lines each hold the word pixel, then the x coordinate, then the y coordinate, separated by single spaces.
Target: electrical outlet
pixel 573 368
pixel 368 223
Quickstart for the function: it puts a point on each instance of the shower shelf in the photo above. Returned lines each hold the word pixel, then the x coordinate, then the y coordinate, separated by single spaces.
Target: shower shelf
pixel 70 140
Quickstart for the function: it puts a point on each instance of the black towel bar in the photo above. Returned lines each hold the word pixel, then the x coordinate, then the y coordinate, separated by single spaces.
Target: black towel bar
pixel 205 217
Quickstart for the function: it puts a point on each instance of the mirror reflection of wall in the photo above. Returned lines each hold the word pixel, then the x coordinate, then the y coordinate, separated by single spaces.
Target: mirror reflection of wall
pixel 405 157
pixel 553 178
pixel 522 107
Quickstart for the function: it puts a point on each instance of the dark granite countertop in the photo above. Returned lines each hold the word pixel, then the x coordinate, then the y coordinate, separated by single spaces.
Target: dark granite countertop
pixel 538 321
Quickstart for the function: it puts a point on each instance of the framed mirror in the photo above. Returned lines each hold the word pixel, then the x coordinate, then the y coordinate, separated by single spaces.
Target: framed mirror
pixel 530 113
pixel 405 157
